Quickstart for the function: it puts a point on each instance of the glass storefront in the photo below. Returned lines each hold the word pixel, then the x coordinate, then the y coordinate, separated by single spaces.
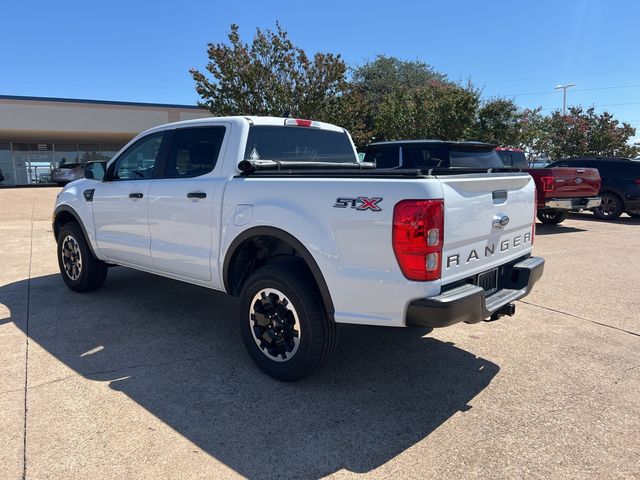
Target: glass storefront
pixel 28 163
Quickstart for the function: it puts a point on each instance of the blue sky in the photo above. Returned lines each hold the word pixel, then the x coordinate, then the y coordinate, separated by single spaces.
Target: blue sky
pixel 142 50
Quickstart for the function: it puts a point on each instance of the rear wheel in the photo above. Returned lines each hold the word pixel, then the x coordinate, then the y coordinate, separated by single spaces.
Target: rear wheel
pixel 285 326
pixel 610 208
pixel 552 218
pixel 80 270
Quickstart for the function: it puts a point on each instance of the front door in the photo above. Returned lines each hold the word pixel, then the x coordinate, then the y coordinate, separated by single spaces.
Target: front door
pixel 182 209
pixel 120 203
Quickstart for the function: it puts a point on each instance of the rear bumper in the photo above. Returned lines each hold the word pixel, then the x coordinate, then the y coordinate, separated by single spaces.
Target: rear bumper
pixel 572 203
pixel 468 303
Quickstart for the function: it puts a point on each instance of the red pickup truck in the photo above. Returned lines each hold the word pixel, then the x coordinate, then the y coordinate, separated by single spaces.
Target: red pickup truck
pixel 561 190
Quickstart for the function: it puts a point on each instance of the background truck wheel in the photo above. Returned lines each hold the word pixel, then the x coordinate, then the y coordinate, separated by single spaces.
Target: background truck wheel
pixel 552 218
pixel 80 270
pixel 610 208
pixel 284 323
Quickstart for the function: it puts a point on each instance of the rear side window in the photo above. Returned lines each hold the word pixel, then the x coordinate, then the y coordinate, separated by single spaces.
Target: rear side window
pixel 475 159
pixel 299 144
pixel 383 157
pixel 194 151
pixel 513 159
pixel 424 156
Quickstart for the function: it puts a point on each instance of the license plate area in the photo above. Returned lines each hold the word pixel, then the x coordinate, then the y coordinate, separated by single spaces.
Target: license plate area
pixel 488 281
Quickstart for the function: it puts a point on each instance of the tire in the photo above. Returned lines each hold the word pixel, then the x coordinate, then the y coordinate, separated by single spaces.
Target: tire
pixel 61 184
pixel 552 218
pixel 80 269
pixel 284 323
pixel 610 208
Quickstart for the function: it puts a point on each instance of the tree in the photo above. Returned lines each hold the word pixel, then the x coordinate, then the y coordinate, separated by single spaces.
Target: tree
pixel 439 110
pixel 499 121
pixel 385 75
pixel 585 133
pixel 269 77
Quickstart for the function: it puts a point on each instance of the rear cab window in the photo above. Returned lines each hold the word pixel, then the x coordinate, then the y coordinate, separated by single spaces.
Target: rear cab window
pixel 299 144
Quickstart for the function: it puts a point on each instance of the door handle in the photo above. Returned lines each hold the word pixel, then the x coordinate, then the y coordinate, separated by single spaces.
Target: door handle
pixel 136 195
pixel 196 195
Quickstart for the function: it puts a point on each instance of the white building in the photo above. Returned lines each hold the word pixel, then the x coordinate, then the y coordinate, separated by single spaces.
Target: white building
pixel 37 133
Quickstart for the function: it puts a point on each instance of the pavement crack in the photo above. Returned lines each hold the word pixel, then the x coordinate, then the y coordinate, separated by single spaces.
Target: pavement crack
pixel 625 373
pixel 581 318
pixel 97 373
pixel 148 365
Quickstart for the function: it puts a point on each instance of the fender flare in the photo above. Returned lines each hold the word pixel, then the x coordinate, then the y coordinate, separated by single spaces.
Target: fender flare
pixel 291 240
pixel 66 208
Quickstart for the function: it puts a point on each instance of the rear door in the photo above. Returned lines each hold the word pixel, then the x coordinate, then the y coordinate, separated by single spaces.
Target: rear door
pixel 488 221
pixel 182 208
pixel 120 208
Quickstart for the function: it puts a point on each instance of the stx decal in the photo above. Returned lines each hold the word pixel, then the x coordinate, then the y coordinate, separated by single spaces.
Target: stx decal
pixel 359 203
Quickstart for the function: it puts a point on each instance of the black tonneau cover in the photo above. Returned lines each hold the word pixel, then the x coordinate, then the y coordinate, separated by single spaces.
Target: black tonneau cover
pixel 271 168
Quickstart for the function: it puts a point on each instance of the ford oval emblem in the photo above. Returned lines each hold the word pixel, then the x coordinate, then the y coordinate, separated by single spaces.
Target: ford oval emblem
pixel 578 180
pixel 500 220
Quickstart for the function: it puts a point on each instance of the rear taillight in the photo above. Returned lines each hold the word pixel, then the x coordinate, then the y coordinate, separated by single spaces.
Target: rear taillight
pixel 637 181
pixel 418 235
pixel 547 184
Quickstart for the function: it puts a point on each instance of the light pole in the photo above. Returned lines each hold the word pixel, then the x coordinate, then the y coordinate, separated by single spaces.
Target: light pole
pixel 564 96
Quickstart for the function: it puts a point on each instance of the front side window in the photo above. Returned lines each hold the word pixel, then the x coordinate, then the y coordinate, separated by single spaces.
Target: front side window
pixel 298 144
pixel 137 161
pixel 194 151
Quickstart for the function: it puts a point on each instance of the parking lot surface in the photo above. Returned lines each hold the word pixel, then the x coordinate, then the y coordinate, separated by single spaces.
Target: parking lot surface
pixel 148 377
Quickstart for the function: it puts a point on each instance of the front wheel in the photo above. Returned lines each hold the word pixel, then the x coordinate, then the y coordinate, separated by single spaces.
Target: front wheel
pixel 552 218
pixel 285 326
pixel 80 270
pixel 610 208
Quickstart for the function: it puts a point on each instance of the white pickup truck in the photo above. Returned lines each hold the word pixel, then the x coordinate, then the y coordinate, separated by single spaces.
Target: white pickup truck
pixel 281 213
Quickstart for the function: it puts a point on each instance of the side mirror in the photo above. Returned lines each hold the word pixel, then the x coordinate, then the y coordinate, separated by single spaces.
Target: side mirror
pixel 95 170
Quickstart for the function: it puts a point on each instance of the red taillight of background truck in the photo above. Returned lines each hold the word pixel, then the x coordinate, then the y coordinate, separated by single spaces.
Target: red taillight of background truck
pixel 547 184
pixel 418 237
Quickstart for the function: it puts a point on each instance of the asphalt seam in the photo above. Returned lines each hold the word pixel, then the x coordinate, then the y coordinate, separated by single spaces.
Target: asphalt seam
pixel 582 318
pixel 26 355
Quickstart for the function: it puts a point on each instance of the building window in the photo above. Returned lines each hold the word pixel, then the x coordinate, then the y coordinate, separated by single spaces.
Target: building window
pixel 7 174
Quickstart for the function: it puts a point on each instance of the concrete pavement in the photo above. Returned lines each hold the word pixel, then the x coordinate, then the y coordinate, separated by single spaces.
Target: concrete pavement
pixel 148 377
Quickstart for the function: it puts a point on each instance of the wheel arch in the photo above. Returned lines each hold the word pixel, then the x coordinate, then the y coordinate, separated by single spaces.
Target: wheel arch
pixel 64 214
pixel 234 275
pixel 617 193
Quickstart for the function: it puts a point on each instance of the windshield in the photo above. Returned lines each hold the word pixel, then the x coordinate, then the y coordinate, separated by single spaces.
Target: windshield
pixel 299 144
pixel 474 159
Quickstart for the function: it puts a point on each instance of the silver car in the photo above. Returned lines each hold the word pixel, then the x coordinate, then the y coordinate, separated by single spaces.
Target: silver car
pixel 67 172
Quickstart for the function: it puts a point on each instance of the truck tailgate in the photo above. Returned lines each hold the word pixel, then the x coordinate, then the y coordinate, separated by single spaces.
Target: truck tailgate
pixel 567 182
pixel 487 222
